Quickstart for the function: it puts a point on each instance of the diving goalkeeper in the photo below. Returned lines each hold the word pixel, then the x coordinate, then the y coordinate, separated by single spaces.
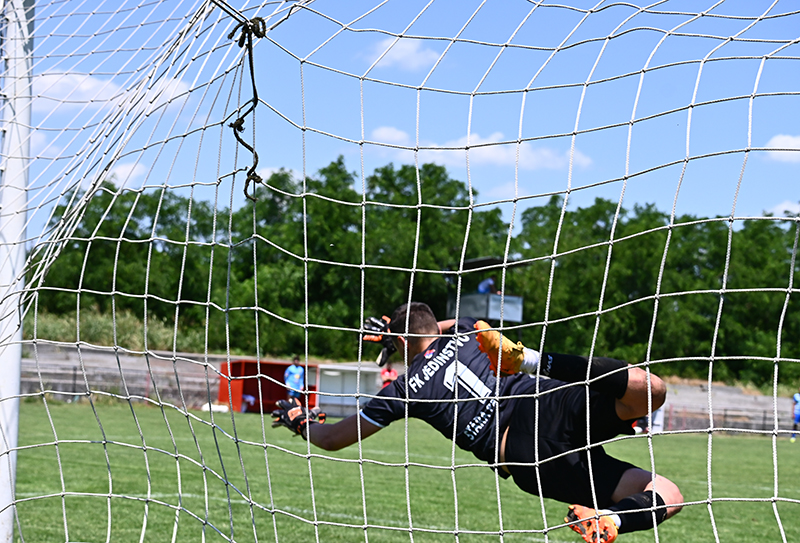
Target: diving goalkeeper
pixel 457 362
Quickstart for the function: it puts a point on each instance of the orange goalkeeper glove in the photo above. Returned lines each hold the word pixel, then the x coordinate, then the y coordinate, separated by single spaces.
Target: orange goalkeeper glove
pixel 515 357
pixel 295 417
pixel 374 333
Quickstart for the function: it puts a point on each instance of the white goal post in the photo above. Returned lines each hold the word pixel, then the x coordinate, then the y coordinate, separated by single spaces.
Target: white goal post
pixel 17 77
pixel 194 192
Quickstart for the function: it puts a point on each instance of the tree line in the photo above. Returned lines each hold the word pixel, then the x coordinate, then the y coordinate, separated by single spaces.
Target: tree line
pixel 299 268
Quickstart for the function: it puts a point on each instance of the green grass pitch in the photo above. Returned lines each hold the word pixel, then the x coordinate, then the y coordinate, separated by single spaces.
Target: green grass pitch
pixel 159 488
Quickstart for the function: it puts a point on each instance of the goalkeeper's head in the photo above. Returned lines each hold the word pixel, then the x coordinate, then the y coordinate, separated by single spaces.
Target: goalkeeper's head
pixel 422 326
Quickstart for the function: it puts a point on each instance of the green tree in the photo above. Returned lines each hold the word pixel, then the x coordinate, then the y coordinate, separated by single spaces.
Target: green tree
pixel 302 265
pixel 423 215
pixel 749 324
pixel 128 248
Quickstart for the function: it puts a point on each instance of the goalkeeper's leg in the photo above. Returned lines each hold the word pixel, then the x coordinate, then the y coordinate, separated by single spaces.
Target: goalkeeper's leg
pixel 634 389
pixel 642 501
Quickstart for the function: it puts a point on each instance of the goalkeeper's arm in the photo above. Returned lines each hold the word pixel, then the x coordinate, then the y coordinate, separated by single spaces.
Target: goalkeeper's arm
pixel 307 423
pixel 344 433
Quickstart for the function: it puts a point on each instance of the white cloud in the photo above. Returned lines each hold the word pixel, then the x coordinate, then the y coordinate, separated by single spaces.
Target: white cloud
pixel 267 172
pixel 166 89
pixel 41 144
pixel 126 172
pixel 784 141
pixel 780 210
pixel 505 191
pixel 51 90
pixel 73 90
pixel 407 54
pixel 390 135
pixel 491 152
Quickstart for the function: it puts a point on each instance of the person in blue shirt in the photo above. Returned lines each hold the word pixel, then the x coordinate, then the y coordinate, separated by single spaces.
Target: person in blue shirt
pixel 293 378
pixel 487 286
pixel 796 399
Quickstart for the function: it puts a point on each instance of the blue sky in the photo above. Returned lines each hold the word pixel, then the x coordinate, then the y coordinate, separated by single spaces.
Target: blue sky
pixel 654 104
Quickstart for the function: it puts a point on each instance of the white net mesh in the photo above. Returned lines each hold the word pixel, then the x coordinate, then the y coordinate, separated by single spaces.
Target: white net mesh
pixel 187 220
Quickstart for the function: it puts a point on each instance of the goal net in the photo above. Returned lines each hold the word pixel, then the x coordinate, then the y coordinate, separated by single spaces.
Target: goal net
pixel 196 192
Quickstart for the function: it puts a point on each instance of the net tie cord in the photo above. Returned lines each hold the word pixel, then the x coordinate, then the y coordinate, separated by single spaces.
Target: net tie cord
pixel 254 27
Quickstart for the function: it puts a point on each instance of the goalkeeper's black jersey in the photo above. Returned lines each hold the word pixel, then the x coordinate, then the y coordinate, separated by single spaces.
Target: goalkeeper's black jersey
pixel 437 386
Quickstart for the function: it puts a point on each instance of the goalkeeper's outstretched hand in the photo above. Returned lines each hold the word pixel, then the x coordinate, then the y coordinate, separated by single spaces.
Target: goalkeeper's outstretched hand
pixel 295 417
pixel 375 332
pixel 489 342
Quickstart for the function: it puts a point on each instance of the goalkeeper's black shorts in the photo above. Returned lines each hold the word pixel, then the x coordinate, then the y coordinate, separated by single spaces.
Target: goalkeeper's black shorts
pixel 565 470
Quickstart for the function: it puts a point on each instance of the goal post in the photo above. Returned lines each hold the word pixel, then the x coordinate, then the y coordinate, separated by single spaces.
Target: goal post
pixel 17 50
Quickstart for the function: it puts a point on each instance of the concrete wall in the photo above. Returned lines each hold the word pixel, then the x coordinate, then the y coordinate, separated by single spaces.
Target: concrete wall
pixel 68 372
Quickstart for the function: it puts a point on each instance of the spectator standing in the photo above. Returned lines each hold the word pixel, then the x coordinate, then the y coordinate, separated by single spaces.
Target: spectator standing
pixel 796 413
pixel 388 374
pixel 487 286
pixel 293 378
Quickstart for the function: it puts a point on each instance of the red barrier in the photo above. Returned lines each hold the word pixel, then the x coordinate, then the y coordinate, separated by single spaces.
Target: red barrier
pixel 240 379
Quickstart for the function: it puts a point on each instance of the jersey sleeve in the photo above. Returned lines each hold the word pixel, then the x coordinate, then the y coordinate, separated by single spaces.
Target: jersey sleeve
pixel 388 406
pixel 466 325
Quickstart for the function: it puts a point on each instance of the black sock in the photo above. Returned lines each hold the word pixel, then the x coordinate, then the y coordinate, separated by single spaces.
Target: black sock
pixel 640 520
pixel 571 368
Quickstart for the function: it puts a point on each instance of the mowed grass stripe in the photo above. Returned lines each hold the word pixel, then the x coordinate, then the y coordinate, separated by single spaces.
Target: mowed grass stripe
pixel 280 484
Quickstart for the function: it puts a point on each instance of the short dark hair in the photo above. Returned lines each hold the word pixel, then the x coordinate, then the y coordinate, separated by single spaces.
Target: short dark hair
pixel 421 320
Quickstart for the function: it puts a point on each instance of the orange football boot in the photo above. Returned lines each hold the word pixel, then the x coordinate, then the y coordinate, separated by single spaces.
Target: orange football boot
pixel 591 528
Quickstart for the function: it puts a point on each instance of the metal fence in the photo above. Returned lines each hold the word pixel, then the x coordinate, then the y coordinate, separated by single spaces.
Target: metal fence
pixel 726 420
